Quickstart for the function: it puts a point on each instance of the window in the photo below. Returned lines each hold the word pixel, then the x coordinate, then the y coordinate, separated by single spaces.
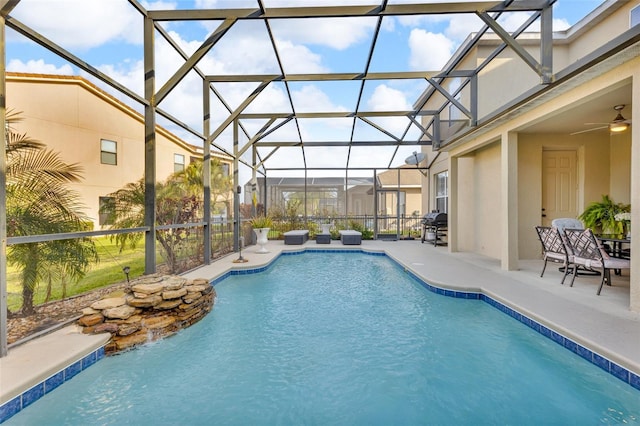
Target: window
pixel 178 162
pixel 107 208
pixel 442 196
pixel 634 16
pixel 108 152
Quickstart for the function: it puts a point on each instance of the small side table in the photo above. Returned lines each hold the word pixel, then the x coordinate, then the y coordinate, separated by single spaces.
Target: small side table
pixel 323 238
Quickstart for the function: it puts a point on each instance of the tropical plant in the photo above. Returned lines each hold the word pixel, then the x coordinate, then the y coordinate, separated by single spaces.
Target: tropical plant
pixel 261 221
pixel 178 200
pixel 40 202
pixel 600 216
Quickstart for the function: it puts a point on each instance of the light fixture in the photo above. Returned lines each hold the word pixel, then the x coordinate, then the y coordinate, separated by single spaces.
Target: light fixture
pixel 240 259
pixel 619 124
pixel 126 271
pixel 617 127
pixel 415 159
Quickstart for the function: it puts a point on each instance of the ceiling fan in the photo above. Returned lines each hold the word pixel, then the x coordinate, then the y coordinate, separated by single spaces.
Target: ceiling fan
pixel 617 125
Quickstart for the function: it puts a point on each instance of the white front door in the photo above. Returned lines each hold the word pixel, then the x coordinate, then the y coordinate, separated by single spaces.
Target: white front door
pixel 559 185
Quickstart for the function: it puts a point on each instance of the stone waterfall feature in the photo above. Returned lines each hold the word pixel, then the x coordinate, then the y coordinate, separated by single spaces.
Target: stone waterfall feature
pixel 150 308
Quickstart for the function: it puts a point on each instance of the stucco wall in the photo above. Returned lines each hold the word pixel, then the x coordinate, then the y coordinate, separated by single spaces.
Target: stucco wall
pixel 479 202
pixel 620 160
pixel 529 194
pixel 597 176
pixel 71 120
pixel 487 201
pixel 598 35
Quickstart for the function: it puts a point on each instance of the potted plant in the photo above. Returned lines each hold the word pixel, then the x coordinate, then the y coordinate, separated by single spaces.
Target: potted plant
pixel 625 218
pixel 261 226
pixel 600 216
pixel 326 226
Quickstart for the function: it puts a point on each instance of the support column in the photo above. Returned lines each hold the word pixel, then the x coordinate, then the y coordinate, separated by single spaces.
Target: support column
pixel 3 197
pixel 206 172
pixel 509 201
pixel 149 149
pixel 254 182
pixel 236 193
pixel 452 208
pixel 634 280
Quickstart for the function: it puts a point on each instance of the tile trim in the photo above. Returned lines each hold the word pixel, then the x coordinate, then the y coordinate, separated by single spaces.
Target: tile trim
pixel 28 397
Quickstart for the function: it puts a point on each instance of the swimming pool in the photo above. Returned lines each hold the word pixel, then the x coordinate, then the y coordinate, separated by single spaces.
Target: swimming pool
pixel 342 338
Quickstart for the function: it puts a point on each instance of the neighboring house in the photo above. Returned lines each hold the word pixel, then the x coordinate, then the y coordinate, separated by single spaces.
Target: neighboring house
pixel 85 125
pixel 534 158
pixel 400 190
pixel 324 195
pixel 328 195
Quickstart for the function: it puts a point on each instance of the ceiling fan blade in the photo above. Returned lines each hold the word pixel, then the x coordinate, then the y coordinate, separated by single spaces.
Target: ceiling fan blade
pixel 588 130
pixel 595 124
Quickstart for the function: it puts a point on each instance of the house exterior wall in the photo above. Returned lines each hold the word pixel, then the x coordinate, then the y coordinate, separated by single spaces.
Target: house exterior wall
pixel 496 83
pixel 604 165
pixel 595 36
pixel 71 116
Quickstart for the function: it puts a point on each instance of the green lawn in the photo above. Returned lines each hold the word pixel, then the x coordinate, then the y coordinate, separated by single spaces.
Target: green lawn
pixel 107 271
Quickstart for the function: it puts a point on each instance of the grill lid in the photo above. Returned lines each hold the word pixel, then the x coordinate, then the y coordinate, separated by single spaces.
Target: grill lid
pixel 434 218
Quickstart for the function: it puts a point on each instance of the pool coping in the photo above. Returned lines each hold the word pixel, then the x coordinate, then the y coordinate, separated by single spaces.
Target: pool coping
pixel 23 392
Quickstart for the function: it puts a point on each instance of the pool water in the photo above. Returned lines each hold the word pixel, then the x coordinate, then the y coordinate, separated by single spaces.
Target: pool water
pixel 342 339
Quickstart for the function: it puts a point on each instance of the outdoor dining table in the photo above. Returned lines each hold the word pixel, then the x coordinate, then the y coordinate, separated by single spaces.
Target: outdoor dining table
pixel 616 245
pixel 615 248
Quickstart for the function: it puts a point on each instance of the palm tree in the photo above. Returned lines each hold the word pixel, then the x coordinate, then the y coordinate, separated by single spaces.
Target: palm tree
pixel 38 202
pixel 178 200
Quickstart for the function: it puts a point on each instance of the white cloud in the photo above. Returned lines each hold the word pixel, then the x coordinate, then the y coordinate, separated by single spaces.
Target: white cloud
pixel 385 98
pixel 81 24
pixel 460 26
pixel 299 59
pixel 311 99
pixel 429 51
pixel 336 33
pixel 38 67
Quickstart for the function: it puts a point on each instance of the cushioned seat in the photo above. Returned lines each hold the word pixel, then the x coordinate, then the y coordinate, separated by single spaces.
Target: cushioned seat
pixel 350 237
pixel 554 249
pixel 323 238
pixel 296 237
pixel 588 253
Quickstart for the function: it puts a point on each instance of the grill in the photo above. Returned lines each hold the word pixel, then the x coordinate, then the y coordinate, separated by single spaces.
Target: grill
pixel 434 227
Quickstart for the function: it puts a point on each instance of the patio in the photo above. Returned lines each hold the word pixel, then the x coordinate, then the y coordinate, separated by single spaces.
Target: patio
pixel 602 323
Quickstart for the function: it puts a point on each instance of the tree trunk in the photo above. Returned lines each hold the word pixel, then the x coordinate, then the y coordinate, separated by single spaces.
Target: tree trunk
pixel 27 300
pixel 49 285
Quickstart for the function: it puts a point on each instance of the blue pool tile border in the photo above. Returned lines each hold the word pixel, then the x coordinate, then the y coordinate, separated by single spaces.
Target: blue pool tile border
pixel 594 358
pixel 28 397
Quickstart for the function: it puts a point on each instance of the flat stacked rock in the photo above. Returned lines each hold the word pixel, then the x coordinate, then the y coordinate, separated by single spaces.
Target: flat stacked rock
pixel 150 308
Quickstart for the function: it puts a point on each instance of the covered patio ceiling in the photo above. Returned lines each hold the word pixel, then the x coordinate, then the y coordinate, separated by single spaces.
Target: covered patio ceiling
pixel 355 102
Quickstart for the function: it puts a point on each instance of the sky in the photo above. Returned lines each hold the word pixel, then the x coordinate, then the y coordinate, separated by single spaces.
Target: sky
pixel 108 35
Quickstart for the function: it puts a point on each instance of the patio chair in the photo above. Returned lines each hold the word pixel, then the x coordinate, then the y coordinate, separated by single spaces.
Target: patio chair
pixel 571 223
pixel 566 222
pixel 588 253
pixel 554 249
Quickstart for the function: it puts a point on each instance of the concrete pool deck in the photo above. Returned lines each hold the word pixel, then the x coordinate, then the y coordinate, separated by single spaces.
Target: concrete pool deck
pixel 604 323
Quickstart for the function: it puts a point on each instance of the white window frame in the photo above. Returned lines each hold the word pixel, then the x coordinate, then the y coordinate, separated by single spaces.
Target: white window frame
pixel 108 153
pixel 178 165
pixel 441 193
